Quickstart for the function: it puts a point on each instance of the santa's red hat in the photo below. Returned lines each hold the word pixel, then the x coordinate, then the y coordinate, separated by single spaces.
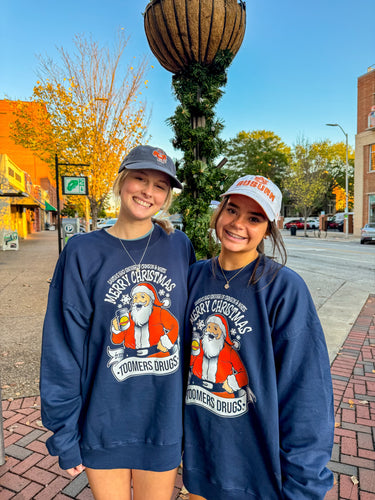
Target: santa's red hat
pixel 148 290
pixel 221 322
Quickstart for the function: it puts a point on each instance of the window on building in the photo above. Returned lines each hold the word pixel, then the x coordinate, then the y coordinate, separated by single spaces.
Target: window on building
pixel 372 158
pixel 371 208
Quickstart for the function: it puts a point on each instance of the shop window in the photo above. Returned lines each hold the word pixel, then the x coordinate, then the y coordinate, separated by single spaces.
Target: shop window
pixel 371 211
pixel 372 158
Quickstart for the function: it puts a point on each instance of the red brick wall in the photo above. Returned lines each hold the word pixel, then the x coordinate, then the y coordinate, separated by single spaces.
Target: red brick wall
pixel 366 99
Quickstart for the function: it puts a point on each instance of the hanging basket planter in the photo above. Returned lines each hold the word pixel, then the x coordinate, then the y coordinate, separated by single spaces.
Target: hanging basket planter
pixel 181 32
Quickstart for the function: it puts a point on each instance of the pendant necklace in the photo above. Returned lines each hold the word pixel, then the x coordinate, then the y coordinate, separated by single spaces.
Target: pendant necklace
pixel 137 266
pixel 226 286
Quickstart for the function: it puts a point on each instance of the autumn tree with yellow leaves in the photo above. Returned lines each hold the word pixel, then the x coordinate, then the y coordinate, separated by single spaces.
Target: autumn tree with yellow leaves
pixel 306 181
pixel 315 172
pixel 88 110
pixel 335 156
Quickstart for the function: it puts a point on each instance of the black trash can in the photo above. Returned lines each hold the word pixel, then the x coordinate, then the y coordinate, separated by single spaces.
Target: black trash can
pixel 293 230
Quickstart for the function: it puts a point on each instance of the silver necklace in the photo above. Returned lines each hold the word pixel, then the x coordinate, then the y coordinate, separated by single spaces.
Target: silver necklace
pixel 226 286
pixel 137 266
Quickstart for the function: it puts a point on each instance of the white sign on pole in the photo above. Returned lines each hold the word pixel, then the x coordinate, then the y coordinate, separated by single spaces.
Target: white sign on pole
pixel 10 240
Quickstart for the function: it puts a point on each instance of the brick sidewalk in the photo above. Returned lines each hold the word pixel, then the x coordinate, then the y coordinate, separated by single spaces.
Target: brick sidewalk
pixel 30 473
pixel 353 374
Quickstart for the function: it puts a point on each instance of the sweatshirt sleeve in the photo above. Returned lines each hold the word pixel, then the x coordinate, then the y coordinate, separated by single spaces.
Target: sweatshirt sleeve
pixel 306 416
pixel 65 329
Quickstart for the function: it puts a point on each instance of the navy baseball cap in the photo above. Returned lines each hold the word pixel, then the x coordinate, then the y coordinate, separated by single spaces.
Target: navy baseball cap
pixel 149 157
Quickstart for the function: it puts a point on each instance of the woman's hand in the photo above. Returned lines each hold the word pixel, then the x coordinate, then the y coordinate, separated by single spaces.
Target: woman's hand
pixel 76 470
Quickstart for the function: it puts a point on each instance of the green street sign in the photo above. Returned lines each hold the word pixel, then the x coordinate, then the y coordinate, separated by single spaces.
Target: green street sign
pixel 74 185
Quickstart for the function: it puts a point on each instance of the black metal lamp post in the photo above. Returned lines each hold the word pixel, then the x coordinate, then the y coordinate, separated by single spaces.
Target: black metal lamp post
pixel 57 164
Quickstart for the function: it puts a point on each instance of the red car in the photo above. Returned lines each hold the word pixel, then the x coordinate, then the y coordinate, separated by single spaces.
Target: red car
pixel 298 223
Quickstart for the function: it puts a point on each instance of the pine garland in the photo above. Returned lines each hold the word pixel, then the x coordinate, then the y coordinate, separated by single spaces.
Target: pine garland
pixel 199 88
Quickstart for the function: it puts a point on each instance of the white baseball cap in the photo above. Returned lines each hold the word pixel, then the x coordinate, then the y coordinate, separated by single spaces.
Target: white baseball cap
pixel 260 189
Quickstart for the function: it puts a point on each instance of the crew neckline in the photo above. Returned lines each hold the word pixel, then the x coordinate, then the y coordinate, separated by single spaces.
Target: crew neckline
pixel 132 239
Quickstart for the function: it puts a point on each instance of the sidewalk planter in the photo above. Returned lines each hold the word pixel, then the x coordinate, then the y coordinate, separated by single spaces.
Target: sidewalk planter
pixel 181 32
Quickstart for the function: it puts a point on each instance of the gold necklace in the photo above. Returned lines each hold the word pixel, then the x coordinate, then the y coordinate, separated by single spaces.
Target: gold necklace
pixel 226 286
pixel 137 266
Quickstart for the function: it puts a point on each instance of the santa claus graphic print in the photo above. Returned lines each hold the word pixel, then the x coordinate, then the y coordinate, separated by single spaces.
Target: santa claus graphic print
pixel 147 331
pixel 217 372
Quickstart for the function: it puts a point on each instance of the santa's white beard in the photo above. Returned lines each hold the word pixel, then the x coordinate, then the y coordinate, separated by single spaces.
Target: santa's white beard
pixel 140 315
pixel 212 347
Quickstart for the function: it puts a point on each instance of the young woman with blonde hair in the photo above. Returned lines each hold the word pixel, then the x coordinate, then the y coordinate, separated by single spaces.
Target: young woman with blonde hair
pixel 112 357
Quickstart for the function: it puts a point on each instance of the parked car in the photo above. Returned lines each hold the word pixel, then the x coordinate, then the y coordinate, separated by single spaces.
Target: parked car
pixel 176 221
pixel 107 224
pixel 368 233
pixel 298 223
pixel 313 223
pixel 337 221
pixel 332 223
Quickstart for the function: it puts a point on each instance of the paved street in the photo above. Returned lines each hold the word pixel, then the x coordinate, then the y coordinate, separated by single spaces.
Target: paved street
pixel 340 292
pixel 340 275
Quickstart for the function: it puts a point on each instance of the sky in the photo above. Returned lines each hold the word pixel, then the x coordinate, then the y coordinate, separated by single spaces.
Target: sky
pixel 296 70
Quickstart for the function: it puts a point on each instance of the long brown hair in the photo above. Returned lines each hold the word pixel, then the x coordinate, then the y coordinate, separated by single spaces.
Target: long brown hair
pixel 162 222
pixel 273 233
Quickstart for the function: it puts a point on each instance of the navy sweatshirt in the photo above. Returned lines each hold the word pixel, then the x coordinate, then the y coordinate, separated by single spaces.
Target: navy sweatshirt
pixel 259 419
pixel 111 368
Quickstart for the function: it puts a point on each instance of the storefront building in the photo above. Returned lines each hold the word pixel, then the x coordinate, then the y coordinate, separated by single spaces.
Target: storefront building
pixel 27 191
pixel 364 173
pixel 24 207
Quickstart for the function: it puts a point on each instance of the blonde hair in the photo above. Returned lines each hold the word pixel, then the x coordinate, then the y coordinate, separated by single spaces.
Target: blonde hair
pixel 162 222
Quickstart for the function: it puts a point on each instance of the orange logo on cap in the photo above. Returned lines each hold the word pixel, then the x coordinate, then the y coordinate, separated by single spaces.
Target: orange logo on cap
pixel 259 183
pixel 258 178
pixel 160 155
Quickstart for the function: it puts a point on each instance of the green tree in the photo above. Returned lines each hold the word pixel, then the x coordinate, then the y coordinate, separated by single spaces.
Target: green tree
pixel 259 152
pixel 88 109
pixel 306 181
pixel 70 209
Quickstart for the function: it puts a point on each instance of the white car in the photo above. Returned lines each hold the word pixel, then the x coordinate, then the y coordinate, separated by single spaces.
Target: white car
pixel 107 223
pixel 368 233
pixel 313 223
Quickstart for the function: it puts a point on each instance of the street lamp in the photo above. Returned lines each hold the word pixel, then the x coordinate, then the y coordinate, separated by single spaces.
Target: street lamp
pixel 346 177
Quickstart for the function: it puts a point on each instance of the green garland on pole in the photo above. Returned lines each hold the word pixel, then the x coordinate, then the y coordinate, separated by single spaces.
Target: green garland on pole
pixel 198 88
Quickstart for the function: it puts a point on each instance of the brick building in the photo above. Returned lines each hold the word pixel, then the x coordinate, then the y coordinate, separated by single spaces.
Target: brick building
pixel 364 173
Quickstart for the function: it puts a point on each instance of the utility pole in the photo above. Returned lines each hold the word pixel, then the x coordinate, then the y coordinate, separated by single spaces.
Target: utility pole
pixel 58 202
